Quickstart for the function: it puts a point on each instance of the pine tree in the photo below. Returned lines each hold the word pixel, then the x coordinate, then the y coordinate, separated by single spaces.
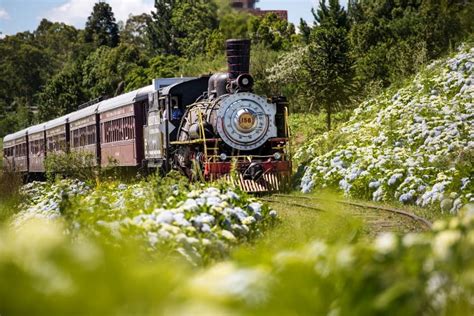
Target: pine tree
pixel 334 14
pixel 305 31
pixel 328 63
pixel 355 13
pixel 135 30
pixel 161 30
pixel 101 27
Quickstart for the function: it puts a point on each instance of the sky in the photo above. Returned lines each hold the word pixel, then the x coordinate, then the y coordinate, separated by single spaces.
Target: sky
pixel 25 15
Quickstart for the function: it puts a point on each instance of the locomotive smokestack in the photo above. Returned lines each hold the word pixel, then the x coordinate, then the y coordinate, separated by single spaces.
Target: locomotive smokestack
pixel 238 60
pixel 238 57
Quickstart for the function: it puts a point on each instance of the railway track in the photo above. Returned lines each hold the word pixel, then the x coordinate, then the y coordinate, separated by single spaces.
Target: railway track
pixel 377 218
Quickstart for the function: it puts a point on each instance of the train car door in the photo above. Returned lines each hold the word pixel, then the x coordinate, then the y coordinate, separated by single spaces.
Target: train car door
pixel 154 149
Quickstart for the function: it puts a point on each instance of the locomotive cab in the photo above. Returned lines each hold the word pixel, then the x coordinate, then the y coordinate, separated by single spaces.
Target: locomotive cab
pixel 166 107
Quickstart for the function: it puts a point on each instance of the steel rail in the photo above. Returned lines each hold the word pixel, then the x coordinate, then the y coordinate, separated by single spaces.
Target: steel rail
pixel 293 204
pixel 414 217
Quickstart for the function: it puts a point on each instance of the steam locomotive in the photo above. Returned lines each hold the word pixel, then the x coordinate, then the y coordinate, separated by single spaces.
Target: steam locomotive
pixel 207 127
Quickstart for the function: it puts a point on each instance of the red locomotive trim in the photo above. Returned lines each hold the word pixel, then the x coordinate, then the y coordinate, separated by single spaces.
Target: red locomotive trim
pixel 278 139
pixel 225 167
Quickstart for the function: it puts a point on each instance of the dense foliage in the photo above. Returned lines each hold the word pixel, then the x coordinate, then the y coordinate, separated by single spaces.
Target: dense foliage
pixel 414 144
pixel 350 54
pixel 51 71
pixel 346 54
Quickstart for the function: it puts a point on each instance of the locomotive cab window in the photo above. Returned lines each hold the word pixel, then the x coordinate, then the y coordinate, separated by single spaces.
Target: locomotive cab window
pixel 162 107
pixel 176 112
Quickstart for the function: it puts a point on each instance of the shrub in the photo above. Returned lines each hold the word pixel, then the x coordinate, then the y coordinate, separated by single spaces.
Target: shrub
pixel 80 165
pixel 10 183
pixel 163 215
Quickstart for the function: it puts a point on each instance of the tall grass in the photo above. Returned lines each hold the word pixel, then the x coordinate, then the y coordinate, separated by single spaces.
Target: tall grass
pixel 10 183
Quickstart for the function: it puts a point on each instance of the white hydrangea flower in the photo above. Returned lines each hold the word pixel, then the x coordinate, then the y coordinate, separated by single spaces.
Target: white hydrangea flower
pixel 443 242
pixel 345 257
pixel 386 243
pixel 228 235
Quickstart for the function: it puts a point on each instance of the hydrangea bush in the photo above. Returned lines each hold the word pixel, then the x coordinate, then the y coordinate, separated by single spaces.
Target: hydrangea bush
pixel 415 145
pixel 415 274
pixel 43 200
pixel 201 223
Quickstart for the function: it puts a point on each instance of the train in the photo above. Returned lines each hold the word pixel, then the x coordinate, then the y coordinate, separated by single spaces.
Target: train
pixel 208 127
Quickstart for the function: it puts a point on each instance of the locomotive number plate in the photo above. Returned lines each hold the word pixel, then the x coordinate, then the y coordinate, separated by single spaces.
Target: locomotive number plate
pixel 246 121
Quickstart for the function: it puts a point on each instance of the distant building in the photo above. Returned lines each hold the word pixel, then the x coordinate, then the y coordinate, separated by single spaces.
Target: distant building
pixel 249 5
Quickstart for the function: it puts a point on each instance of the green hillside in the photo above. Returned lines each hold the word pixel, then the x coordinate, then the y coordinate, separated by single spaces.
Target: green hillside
pixel 415 145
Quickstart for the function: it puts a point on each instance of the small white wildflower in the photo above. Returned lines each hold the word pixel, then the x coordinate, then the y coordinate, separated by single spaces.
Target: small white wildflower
pixel 345 257
pixel 439 225
pixel 190 205
pixel 228 235
pixel 249 220
pixel 413 239
pixel 386 243
pixel 232 195
pixel 443 242
pixel 255 207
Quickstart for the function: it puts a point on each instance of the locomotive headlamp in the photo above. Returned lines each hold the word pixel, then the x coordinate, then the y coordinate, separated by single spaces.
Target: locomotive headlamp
pixel 277 156
pixel 245 82
pixel 223 157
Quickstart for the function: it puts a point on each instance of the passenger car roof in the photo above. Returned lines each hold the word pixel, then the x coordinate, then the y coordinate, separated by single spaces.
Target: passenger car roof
pixel 56 122
pixel 16 135
pixel 36 129
pixel 124 99
pixel 85 112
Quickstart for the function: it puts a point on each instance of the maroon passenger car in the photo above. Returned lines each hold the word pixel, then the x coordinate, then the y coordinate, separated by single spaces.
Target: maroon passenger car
pixel 84 131
pixel 121 128
pixel 36 148
pixel 15 152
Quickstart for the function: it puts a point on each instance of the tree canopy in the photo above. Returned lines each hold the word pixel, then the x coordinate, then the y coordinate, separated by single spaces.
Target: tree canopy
pixel 101 28
pixel 344 54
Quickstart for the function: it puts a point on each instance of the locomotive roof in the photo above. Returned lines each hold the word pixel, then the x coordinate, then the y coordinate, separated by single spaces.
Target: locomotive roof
pixel 167 90
pixel 161 83
pixel 35 129
pixel 56 122
pixel 85 112
pixel 16 135
pixel 124 99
